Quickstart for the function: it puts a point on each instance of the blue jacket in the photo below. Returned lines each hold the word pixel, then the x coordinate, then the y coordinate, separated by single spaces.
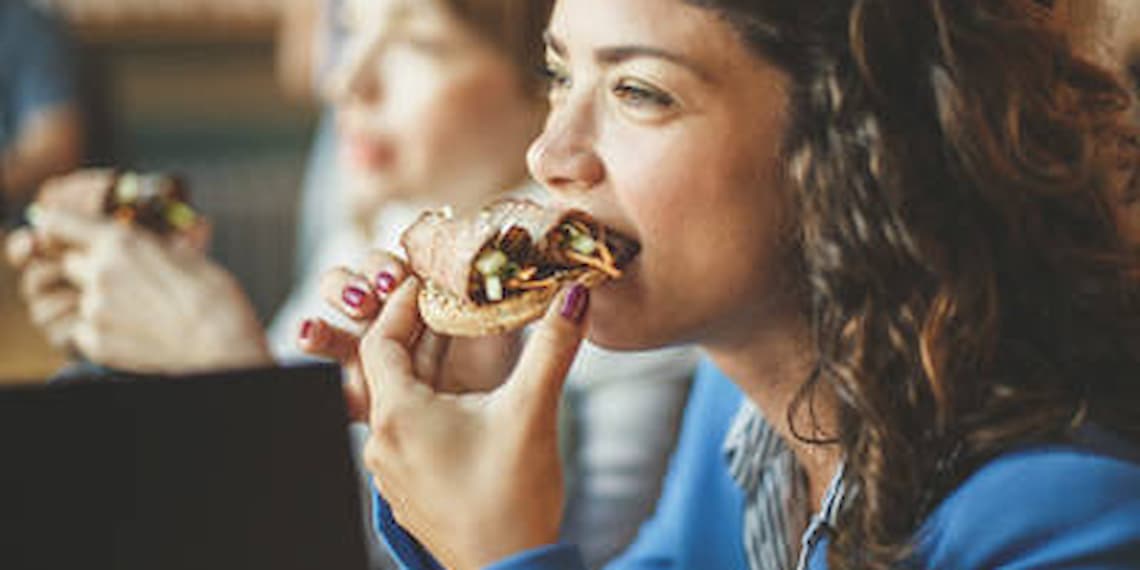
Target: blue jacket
pixel 1043 507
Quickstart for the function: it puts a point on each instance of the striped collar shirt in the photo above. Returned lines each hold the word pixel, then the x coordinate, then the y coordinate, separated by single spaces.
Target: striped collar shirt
pixel 775 495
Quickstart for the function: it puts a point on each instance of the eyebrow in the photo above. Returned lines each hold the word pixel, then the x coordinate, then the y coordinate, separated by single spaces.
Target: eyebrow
pixel 612 55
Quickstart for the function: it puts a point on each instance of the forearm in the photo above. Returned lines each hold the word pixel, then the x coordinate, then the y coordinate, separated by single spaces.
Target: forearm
pixel 49 144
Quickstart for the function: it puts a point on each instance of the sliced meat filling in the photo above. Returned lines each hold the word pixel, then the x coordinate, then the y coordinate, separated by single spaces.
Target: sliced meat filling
pixel 511 264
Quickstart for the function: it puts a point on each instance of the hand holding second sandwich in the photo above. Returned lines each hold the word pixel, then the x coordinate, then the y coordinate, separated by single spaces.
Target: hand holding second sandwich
pixel 474 477
pixel 150 305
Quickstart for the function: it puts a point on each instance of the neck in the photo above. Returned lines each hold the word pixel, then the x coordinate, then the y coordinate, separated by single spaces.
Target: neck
pixel 770 364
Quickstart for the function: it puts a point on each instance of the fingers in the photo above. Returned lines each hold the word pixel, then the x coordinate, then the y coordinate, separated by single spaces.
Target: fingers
pixel 427 359
pixel 553 344
pixel 78 269
pixel 41 277
pixel 317 337
pixel 99 347
pixel 66 228
pixel 357 398
pixel 47 309
pixel 359 293
pixel 53 305
pixel 385 351
pixel 60 333
pixel 83 192
pixel 384 271
pixel 20 247
pixel 350 293
pixel 400 320
pixel 196 237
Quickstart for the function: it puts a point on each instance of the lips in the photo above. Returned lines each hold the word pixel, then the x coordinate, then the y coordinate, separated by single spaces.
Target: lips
pixel 610 221
pixel 368 153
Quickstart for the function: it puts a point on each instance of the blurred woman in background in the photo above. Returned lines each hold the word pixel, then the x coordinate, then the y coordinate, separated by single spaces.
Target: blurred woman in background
pixel 436 103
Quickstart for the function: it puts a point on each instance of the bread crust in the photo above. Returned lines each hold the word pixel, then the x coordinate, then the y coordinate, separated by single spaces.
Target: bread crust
pixel 447 314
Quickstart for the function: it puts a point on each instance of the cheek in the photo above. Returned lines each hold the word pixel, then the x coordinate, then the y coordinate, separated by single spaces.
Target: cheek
pixel 465 123
pixel 692 202
pixel 420 109
pixel 709 219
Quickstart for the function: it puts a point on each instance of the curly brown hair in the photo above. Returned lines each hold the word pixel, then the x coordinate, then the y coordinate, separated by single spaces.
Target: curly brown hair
pixel 957 165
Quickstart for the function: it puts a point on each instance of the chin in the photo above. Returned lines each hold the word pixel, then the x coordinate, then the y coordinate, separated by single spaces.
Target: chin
pixel 369 190
pixel 617 321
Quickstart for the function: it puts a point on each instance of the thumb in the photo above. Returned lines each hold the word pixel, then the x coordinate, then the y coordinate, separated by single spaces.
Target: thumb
pixel 20 247
pixel 546 359
pixel 66 228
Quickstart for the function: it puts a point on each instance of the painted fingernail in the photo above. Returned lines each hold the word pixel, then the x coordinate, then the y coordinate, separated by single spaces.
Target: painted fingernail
pixel 353 297
pixel 576 303
pixel 306 329
pixel 385 282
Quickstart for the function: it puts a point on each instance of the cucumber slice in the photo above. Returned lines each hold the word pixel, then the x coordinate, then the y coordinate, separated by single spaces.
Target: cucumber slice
pixel 128 188
pixel 584 245
pixel 493 286
pixel 180 216
pixel 491 263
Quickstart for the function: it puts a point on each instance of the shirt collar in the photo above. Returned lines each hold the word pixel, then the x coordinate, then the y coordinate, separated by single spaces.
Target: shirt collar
pixel 751 447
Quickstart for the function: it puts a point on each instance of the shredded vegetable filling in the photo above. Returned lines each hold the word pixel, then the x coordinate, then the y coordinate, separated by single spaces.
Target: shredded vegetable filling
pixel 508 266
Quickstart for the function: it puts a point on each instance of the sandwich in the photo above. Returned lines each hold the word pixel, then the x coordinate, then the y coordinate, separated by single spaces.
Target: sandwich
pixel 157 202
pixel 499 269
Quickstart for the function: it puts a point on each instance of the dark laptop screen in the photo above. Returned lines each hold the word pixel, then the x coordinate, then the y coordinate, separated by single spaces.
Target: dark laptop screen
pixel 243 470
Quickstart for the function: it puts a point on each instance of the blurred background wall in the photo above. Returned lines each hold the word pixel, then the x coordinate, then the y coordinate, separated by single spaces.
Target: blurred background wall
pixel 188 86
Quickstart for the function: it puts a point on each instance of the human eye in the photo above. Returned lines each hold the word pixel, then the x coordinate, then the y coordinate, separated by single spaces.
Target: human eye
pixel 422 44
pixel 556 77
pixel 641 96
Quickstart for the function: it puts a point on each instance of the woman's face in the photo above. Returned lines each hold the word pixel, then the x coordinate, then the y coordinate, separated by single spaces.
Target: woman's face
pixel 428 110
pixel 664 125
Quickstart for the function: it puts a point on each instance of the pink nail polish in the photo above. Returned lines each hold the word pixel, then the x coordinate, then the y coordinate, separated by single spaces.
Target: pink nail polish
pixel 385 282
pixel 306 329
pixel 353 297
pixel 576 303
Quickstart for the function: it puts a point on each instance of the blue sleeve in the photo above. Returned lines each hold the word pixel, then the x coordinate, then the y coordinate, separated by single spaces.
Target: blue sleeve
pixel 411 555
pixel 404 547
pixel 1050 508
pixel 42 72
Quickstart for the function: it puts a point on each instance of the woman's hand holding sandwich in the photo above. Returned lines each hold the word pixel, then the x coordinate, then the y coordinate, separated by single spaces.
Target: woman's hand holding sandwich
pixel 502 489
pixel 495 444
pixel 359 293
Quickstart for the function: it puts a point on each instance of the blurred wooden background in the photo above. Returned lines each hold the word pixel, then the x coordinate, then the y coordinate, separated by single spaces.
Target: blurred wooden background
pixel 188 86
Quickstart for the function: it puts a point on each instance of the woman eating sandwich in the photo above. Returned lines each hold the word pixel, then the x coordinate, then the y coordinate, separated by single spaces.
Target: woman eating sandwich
pixel 437 102
pixel 887 222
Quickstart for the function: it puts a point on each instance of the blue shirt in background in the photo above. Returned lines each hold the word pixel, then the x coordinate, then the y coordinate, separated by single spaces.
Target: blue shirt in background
pixel 1063 506
pixel 35 66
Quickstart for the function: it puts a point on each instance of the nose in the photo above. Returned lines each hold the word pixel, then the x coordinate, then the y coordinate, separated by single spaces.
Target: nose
pixel 563 157
pixel 355 78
